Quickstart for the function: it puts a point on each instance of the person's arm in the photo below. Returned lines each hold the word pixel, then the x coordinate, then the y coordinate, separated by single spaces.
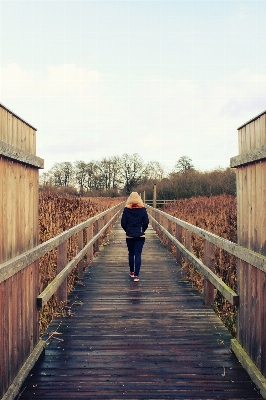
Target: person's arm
pixel 145 220
pixel 124 221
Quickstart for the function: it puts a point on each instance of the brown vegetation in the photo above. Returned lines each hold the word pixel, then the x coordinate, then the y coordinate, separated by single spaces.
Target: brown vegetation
pixel 216 214
pixel 58 213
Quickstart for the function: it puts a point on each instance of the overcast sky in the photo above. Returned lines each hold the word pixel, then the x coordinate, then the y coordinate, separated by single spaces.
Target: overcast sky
pixel 160 78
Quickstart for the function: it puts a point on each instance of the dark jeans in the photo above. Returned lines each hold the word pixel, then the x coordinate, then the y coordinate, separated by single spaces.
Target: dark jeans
pixel 135 246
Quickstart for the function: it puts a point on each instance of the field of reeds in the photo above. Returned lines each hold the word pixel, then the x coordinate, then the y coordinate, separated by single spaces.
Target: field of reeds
pixel 58 213
pixel 215 214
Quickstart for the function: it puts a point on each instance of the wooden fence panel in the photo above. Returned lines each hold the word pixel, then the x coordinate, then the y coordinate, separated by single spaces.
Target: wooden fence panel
pixel 251 225
pixel 19 330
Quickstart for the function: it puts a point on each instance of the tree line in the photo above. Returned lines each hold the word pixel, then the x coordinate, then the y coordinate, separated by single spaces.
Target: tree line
pixel 119 175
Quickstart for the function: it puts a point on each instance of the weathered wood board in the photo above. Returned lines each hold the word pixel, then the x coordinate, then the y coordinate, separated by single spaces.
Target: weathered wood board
pixel 152 339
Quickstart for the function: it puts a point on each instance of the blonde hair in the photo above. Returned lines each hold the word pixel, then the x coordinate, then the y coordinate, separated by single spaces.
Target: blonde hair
pixel 134 198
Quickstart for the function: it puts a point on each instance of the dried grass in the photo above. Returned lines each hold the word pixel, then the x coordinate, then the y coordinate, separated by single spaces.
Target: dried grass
pixel 215 214
pixel 58 213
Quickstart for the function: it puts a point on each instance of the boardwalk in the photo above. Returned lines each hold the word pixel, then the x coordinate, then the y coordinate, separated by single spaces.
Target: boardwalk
pixel 152 339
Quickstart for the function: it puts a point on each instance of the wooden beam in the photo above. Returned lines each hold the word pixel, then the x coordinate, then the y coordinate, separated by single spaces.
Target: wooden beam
pixel 250 157
pixel 14 388
pixel 16 154
pixel 246 362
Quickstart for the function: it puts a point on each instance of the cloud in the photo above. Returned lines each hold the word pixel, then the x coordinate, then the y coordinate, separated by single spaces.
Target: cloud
pixel 84 114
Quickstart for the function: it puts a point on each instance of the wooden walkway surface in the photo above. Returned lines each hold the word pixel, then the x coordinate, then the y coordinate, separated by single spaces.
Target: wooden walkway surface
pixel 152 339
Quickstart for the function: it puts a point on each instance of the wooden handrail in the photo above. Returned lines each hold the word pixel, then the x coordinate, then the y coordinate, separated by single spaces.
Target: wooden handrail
pixel 11 267
pixel 58 280
pixel 251 257
pixel 226 291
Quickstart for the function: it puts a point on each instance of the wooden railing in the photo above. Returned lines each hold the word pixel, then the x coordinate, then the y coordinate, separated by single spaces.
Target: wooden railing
pixel 165 224
pixel 95 228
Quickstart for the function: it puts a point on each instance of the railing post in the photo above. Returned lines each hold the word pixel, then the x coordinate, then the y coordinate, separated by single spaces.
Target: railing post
pixel 154 196
pixel 96 230
pixel 89 237
pixel 250 167
pixel 178 235
pixel 188 240
pixel 209 259
pixel 81 263
pixel 170 230
pixel 19 315
pixel 188 244
pixel 61 263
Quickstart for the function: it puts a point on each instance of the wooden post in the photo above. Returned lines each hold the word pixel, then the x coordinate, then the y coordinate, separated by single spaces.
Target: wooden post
pixel 170 230
pixel 144 197
pixel 209 259
pixel 250 167
pixel 188 245
pixel 81 263
pixel 61 263
pixel 154 196
pixel 89 237
pixel 96 230
pixel 19 229
pixel 178 235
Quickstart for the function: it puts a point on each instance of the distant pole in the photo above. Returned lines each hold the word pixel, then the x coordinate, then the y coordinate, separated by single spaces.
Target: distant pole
pixel 154 195
pixel 144 197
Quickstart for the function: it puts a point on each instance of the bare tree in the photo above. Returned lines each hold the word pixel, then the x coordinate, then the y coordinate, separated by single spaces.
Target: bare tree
pixel 132 171
pixel 153 171
pixel 63 174
pixel 80 173
pixel 184 164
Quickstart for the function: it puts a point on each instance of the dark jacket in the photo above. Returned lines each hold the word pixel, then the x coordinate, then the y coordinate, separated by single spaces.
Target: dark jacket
pixel 135 221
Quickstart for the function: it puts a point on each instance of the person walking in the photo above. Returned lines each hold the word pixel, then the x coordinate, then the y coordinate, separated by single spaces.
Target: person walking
pixel 134 221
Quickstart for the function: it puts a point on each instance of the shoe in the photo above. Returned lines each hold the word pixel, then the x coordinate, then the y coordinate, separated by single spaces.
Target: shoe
pixel 136 278
pixel 131 274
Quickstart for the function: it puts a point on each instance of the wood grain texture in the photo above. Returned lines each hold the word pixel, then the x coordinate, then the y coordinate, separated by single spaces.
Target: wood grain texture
pixel 152 339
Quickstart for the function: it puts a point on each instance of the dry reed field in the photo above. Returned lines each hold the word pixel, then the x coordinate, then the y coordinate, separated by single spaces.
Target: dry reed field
pixel 215 214
pixel 58 213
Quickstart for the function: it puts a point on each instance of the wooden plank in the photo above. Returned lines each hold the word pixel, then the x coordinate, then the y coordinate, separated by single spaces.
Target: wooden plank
pixel 3 124
pixel 4 208
pixel 262 297
pixel 247 158
pixel 21 155
pixel 19 133
pixel 13 389
pixel 19 321
pixel 152 339
pixel 7 111
pixel 4 337
pixel 252 135
pixel 178 236
pixel 2 191
pixel 7 377
pixel 252 370
pixel 9 129
pixel 263 130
